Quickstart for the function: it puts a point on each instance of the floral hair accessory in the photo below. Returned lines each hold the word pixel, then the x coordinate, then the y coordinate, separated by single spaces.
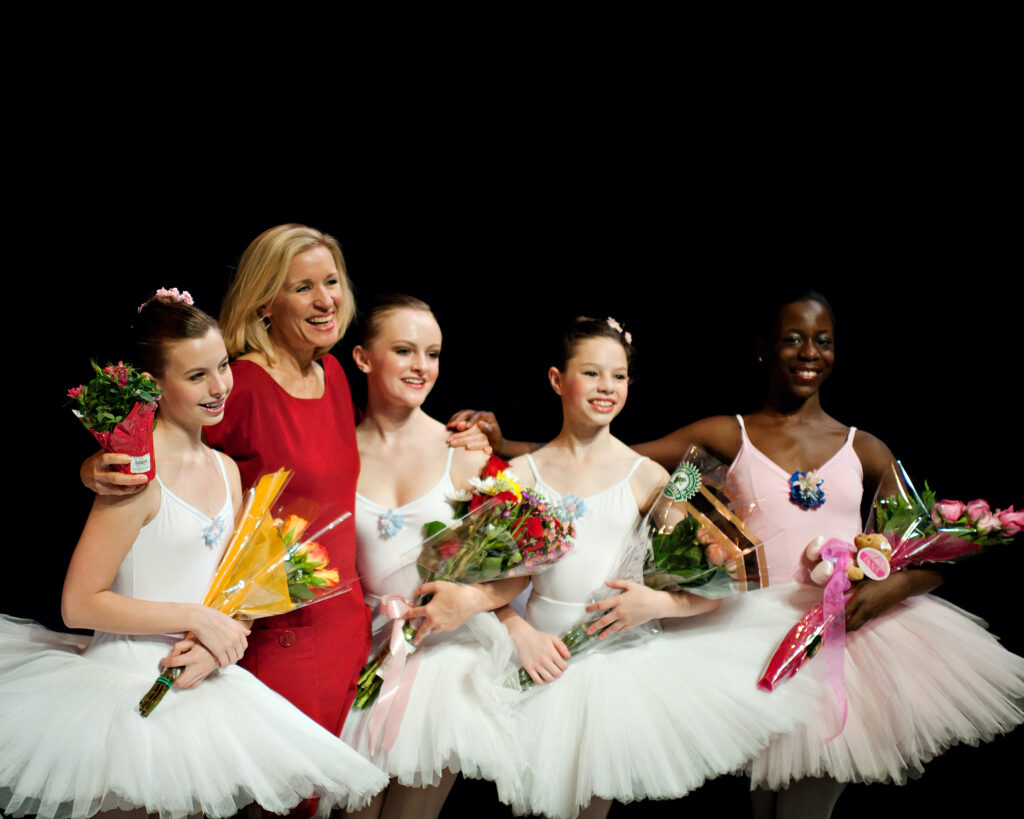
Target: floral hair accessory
pixel 174 293
pixel 618 327
pixel 805 490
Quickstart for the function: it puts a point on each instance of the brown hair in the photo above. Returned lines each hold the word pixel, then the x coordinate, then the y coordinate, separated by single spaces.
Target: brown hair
pixel 584 327
pixel 381 307
pixel 163 320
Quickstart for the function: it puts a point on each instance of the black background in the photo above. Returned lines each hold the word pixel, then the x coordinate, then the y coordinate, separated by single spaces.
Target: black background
pixel 509 222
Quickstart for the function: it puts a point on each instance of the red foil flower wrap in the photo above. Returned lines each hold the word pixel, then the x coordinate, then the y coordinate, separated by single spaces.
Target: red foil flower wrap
pixel 133 436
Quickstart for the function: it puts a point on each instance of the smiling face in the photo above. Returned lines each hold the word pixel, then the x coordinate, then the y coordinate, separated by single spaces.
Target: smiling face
pixel 402 361
pixel 803 349
pixel 305 313
pixel 595 381
pixel 196 381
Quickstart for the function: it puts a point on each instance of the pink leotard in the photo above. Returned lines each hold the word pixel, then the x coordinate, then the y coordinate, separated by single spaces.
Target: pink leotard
pixel 754 477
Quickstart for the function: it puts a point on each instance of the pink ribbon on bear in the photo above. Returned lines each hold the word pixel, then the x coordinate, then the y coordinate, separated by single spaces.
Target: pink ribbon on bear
pixel 387 714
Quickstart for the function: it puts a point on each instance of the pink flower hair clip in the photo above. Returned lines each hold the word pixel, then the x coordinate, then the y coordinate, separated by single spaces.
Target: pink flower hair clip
pixel 618 327
pixel 174 293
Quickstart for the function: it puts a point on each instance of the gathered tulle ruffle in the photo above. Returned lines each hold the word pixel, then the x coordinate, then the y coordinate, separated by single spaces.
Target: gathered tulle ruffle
pixel 923 676
pixel 459 715
pixel 74 744
pixel 655 720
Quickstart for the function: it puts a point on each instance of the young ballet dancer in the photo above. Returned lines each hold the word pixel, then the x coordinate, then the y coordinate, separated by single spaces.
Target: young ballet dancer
pixel 458 716
pixel 654 719
pixel 73 741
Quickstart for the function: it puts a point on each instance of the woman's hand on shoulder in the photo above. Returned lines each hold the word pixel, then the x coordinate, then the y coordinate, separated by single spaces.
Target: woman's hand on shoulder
pixel 719 435
pixel 544 656
pixel 475 429
pixel 98 474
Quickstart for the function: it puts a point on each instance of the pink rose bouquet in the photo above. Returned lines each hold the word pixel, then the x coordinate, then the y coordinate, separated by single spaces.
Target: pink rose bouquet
pixel 918 529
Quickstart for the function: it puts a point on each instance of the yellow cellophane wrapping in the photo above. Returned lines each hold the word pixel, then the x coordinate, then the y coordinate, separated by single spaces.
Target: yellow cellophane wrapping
pixel 251 580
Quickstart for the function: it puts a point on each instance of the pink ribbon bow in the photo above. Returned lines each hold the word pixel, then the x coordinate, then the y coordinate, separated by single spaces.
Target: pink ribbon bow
pixel 834 635
pixel 394 692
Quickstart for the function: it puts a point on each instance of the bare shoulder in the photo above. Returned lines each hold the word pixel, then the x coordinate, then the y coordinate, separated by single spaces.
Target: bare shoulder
pixel 524 473
pixel 234 477
pixel 648 480
pixel 874 456
pixel 130 511
pixel 466 465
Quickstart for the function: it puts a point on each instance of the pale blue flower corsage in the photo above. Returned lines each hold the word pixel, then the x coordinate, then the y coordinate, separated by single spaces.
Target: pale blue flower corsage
pixel 213 530
pixel 571 508
pixel 390 524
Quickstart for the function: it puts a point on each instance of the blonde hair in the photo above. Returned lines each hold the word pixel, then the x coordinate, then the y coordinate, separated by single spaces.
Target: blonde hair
pixel 261 274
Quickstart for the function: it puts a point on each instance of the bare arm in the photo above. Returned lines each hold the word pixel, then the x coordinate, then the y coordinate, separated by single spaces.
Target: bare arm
pixel 452 604
pixel 487 423
pixel 871 598
pixel 544 656
pixel 88 602
pixel 637 604
pixel 719 435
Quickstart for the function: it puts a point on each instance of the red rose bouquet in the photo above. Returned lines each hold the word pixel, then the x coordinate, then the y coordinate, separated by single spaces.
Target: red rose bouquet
pixel 117 406
pixel 504 531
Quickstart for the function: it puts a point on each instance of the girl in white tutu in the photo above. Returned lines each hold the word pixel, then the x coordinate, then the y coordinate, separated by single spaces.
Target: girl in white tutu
pixel 921 674
pixel 72 742
pixel 652 719
pixel 458 716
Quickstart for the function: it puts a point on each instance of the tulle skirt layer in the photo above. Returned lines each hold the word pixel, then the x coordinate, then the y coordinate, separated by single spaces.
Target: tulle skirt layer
pixel 654 720
pixel 921 677
pixel 73 742
pixel 459 714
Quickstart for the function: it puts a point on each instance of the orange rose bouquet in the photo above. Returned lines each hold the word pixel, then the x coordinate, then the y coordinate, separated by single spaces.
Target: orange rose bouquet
pixel 268 567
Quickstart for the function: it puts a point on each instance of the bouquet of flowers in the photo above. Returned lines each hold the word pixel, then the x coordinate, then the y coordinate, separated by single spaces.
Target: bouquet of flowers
pixel 698 542
pixel 691 540
pixel 578 639
pixel 504 530
pixel 913 530
pixel 267 568
pixel 117 406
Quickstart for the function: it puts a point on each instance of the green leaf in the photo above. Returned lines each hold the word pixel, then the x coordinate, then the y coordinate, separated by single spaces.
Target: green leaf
pixel 433 527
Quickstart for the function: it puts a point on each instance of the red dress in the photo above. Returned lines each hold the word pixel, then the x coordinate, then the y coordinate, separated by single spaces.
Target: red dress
pixel 312 656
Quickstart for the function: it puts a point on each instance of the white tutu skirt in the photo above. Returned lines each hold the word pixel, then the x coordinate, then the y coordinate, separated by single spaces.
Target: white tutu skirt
pixel 654 720
pixel 459 714
pixel 920 678
pixel 72 742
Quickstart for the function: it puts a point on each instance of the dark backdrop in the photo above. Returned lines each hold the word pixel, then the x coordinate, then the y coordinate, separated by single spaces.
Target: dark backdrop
pixel 507 232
